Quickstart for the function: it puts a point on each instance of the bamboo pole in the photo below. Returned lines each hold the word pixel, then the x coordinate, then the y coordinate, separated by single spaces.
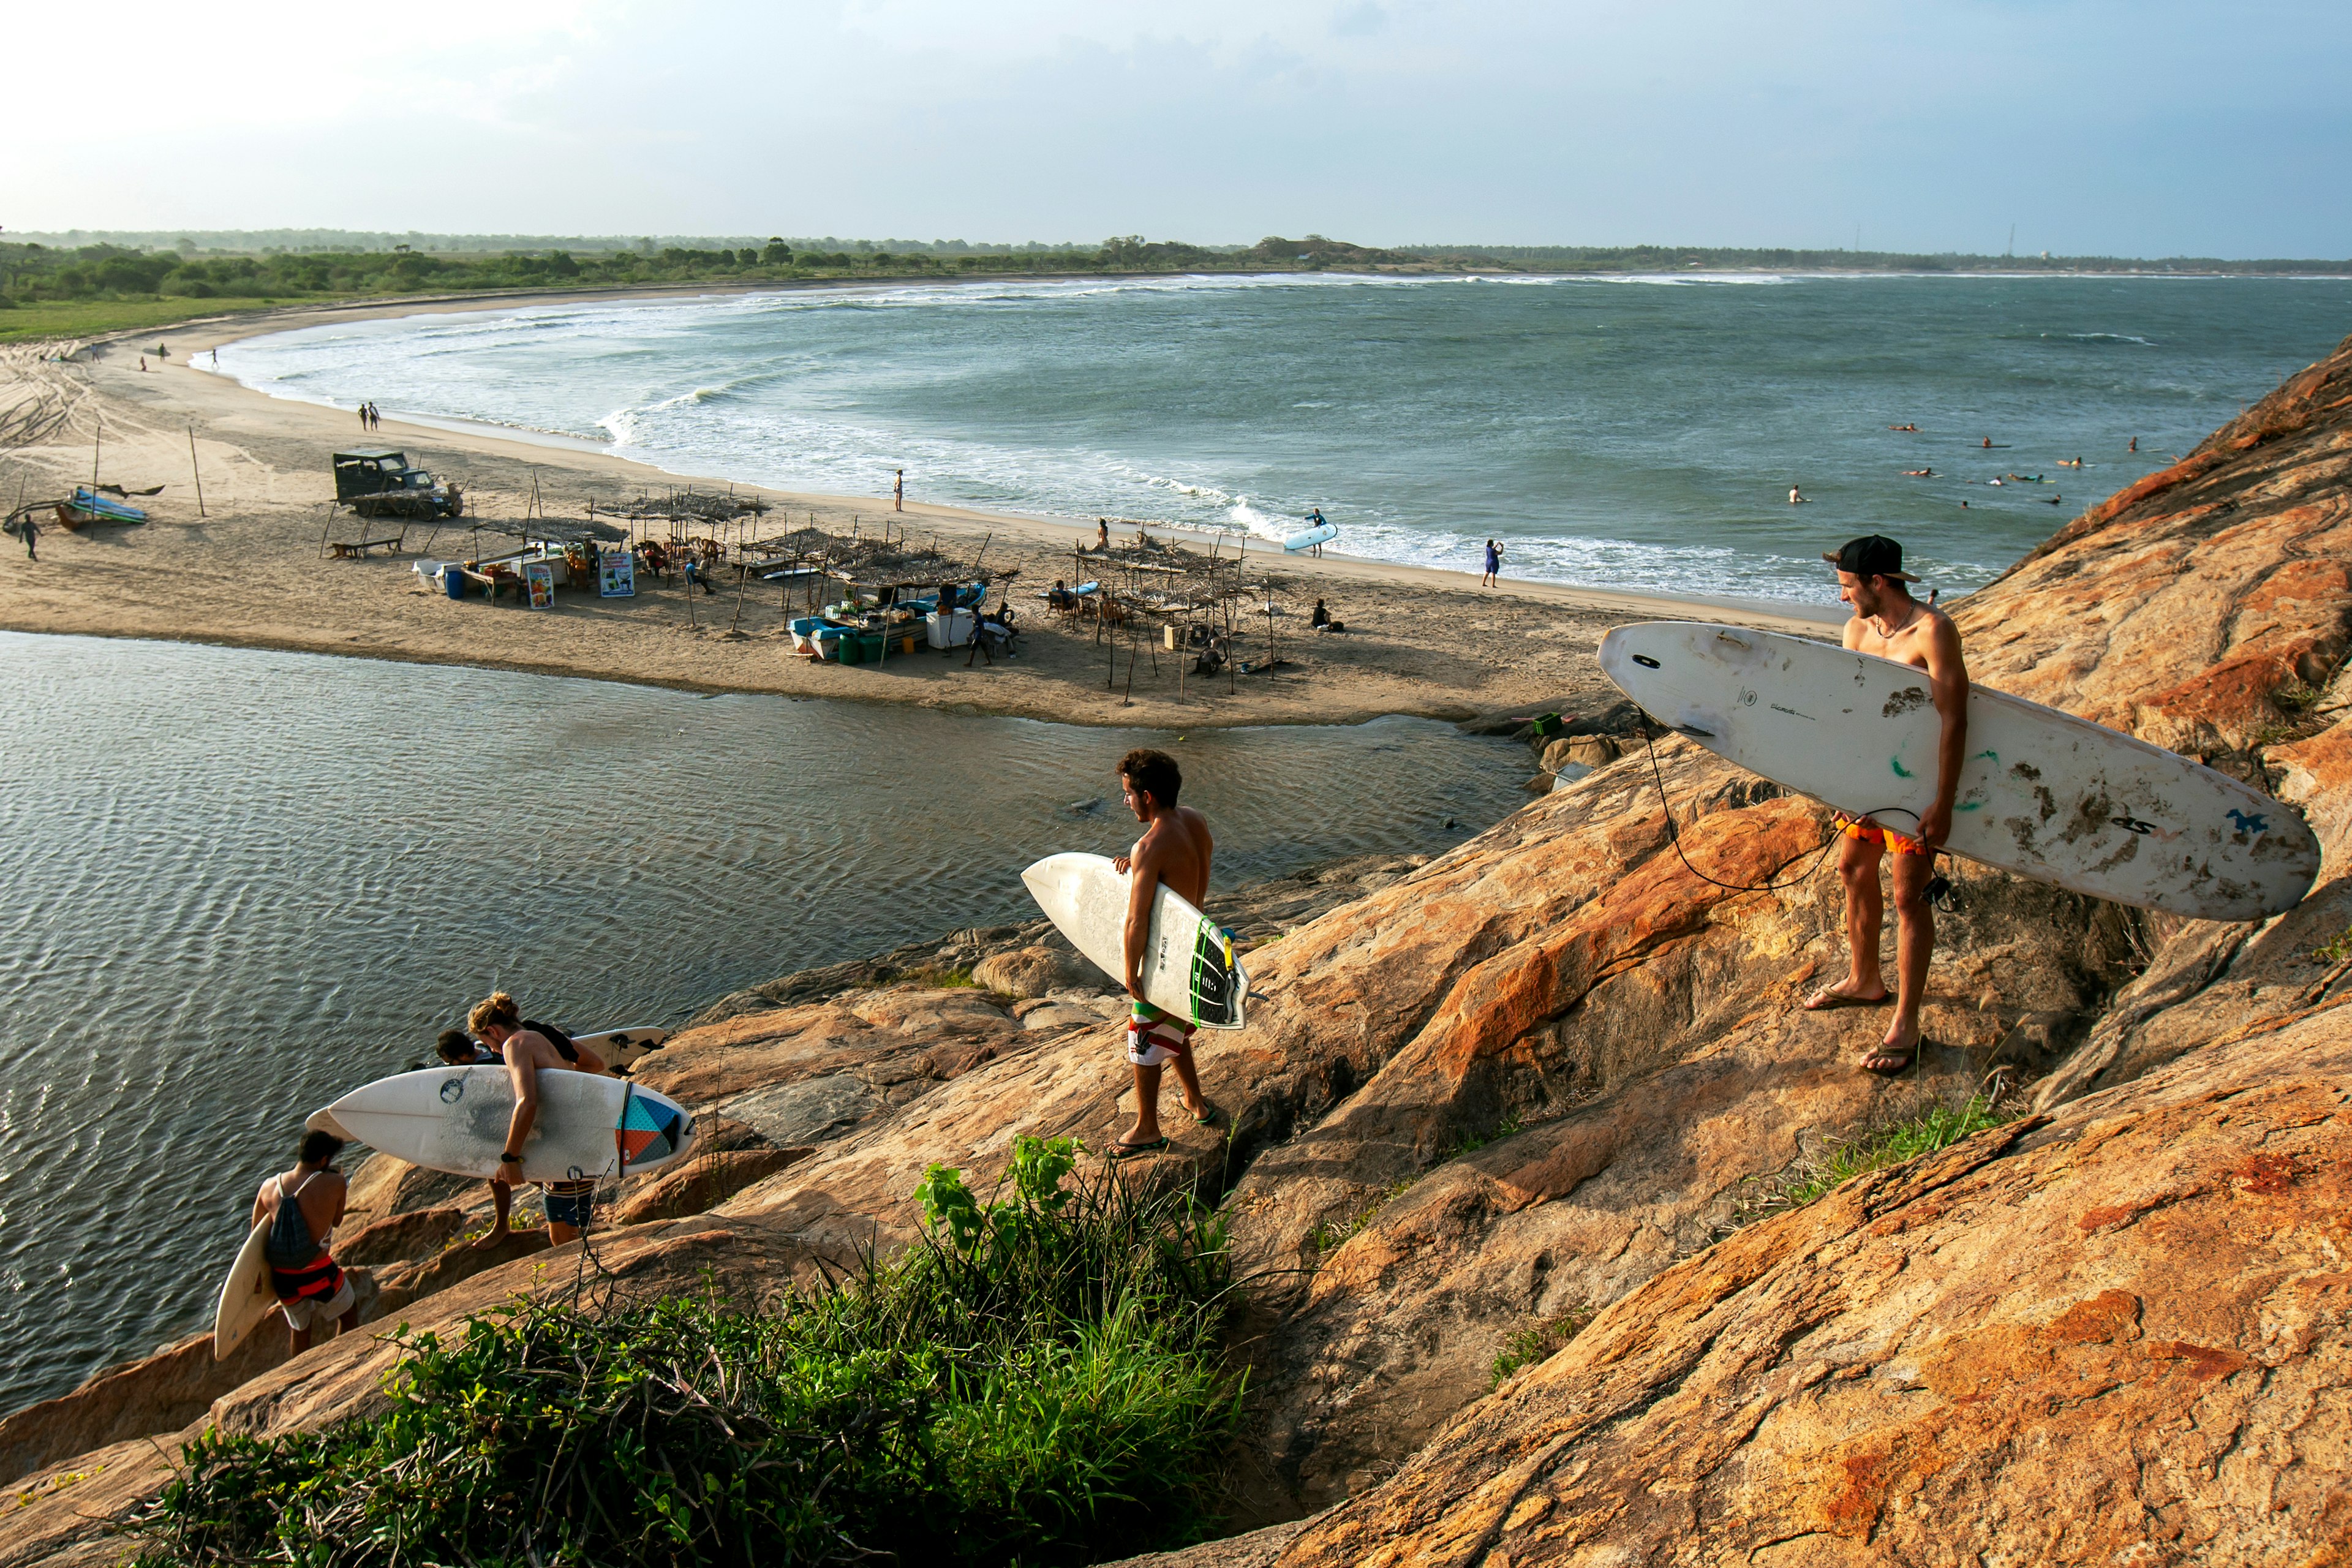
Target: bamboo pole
pixel 194 468
pixel 96 439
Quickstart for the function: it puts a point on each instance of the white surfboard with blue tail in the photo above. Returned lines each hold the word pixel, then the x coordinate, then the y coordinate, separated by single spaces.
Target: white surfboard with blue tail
pixel 454 1119
pixel 2042 793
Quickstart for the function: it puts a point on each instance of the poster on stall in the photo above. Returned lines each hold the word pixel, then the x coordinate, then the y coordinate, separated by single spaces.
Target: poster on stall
pixel 619 579
pixel 540 577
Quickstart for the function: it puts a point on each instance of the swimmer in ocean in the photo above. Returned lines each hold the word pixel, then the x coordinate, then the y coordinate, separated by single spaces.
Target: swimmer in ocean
pixel 1918 473
pixel 1913 428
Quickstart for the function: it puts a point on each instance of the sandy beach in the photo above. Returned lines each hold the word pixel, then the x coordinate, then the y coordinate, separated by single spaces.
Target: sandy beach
pixel 251 571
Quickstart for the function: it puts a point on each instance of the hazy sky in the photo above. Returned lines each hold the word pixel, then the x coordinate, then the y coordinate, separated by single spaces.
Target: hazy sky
pixel 2153 127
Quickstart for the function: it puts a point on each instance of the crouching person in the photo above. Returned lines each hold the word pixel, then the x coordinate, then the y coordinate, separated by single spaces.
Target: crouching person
pixel 303 1206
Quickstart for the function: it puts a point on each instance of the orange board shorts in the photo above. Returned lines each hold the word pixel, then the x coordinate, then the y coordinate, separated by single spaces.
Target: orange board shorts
pixel 1887 838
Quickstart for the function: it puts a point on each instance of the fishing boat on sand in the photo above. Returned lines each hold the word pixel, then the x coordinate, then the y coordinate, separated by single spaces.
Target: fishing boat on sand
pixel 86 506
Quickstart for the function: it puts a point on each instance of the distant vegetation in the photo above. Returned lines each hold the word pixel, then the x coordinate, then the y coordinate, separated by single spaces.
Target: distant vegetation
pixel 1036 1382
pixel 103 282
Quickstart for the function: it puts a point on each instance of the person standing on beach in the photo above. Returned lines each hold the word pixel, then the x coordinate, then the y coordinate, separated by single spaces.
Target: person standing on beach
pixel 1888 621
pixel 1488 578
pixel 898 493
pixel 32 535
pixel 1175 849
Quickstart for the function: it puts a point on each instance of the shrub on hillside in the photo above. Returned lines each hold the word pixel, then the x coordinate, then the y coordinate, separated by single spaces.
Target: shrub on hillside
pixel 1036 1381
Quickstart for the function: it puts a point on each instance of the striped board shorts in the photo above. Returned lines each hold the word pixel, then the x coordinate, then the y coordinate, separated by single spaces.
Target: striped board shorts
pixel 1154 1037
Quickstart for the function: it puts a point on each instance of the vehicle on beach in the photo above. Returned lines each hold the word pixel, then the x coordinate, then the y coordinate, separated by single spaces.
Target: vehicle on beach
pixel 377 481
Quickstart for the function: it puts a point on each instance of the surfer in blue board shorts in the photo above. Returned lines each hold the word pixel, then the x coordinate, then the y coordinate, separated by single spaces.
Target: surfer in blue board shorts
pixel 1175 849
pixel 1888 621
pixel 303 1206
pixel 529 1049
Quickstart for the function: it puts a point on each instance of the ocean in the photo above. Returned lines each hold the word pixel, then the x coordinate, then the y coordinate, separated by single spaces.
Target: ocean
pixel 1638 432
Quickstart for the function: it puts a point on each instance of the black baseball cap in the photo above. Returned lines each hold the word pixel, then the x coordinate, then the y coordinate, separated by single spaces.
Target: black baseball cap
pixel 1871 555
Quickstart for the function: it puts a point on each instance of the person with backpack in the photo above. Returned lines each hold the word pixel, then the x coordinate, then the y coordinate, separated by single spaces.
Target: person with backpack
pixel 303 1206
pixel 529 1049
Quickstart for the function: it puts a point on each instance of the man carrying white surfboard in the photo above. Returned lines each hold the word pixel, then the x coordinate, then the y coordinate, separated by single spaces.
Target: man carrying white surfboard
pixel 1888 621
pixel 527 1051
pixel 1175 849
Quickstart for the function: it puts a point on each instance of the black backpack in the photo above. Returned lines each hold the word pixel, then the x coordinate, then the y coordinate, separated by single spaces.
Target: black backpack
pixel 556 1038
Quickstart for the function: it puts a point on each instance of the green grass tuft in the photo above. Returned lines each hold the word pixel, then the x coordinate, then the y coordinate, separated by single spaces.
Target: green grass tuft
pixel 1036 1381
pixel 1522 1346
pixel 1816 1177
pixel 1334 1234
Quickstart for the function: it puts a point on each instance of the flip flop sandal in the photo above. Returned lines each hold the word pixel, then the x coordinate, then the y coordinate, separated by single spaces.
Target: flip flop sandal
pixel 1207 1115
pixel 1828 1001
pixel 1121 1150
pixel 1910 1059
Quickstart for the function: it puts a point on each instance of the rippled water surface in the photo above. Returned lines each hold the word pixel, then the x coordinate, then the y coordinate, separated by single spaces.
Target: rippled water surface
pixel 1638 432
pixel 240 882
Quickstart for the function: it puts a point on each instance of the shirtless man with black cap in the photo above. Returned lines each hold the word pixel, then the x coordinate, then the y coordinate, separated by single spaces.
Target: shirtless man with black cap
pixel 1888 621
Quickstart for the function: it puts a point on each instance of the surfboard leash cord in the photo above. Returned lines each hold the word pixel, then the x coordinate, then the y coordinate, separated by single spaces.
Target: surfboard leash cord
pixel 1674 835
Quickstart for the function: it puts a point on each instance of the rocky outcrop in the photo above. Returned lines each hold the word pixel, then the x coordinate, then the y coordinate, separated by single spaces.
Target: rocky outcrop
pixel 400 1238
pixel 1033 973
pixel 1617 1044
pixel 2122 1334
pixel 704 1183
pixel 2208 608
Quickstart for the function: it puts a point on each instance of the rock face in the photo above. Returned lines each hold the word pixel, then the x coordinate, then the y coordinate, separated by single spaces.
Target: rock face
pixel 2123 1334
pixel 704 1182
pixel 1618 1046
pixel 399 1238
pixel 1031 972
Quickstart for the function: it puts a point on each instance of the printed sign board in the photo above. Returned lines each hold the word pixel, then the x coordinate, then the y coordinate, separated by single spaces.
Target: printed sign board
pixel 618 579
pixel 540 577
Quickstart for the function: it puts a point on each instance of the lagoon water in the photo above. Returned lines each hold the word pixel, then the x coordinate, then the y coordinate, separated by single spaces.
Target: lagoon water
pixel 240 882
pixel 1635 433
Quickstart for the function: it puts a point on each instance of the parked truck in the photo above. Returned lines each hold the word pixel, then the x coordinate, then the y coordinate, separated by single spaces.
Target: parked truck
pixel 378 481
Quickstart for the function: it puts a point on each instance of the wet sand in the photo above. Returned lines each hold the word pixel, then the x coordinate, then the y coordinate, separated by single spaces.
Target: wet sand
pixel 251 572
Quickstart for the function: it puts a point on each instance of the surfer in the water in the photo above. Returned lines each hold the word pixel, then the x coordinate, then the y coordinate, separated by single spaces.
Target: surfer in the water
pixel 303 1206
pixel 1888 621
pixel 1174 850
pixel 529 1049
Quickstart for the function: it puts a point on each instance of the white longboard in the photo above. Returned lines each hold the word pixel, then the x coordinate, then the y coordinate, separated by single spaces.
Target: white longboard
pixel 1309 538
pixel 1189 968
pixel 2043 793
pixel 613 1048
pixel 621 1047
pixel 244 1297
pixel 454 1119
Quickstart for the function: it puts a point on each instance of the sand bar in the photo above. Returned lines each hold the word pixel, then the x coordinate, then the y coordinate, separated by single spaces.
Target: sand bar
pixel 250 571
